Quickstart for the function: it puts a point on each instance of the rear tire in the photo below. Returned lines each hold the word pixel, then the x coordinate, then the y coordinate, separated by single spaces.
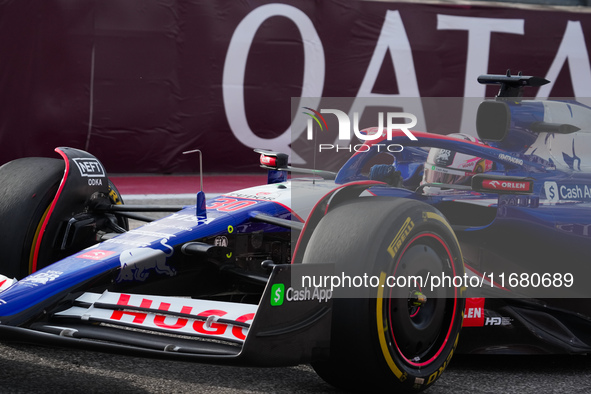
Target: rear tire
pixel 391 338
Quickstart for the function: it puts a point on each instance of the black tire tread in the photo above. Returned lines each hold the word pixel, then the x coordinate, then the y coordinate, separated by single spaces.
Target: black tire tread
pixel 27 187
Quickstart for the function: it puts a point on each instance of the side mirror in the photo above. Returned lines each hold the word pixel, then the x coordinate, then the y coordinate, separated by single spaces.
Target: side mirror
pixel 493 120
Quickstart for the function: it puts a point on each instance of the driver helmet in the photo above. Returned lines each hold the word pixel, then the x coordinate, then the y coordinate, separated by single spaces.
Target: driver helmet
pixel 453 168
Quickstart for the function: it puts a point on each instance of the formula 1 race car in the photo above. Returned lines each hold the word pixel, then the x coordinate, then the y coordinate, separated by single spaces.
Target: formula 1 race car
pixel 369 273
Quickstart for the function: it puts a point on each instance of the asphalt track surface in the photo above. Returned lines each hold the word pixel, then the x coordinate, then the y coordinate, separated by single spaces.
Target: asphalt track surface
pixel 26 368
pixel 34 369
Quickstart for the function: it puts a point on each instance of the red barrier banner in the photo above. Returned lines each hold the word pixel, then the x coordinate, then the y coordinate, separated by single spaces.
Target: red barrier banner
pixel 137 83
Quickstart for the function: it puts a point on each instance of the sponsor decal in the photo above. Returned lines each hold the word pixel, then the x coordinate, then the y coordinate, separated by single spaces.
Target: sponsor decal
pixel 279 294
pixel 89 167
pixel 567 192
pixel 505 185
pixel 198 317
pixel 498 321
pixel 551 189
pixel 95 254
pixel 474 315
pixel 510 159
pixel 575 192
pixel 307 294
pixel 474 312
pixel 400 237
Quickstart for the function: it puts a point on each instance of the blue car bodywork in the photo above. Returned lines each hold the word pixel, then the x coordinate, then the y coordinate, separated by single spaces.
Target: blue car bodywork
pixel 234 256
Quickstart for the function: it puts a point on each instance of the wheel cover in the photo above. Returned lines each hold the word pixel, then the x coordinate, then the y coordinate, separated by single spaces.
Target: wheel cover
pixel 419 333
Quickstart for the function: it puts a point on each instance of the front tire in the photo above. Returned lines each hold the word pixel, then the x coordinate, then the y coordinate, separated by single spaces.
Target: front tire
pixel 392 337
pixel 28 187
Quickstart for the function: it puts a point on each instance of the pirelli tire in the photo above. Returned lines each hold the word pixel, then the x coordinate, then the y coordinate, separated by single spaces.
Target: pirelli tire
pixel 399 339
pixel 28 187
